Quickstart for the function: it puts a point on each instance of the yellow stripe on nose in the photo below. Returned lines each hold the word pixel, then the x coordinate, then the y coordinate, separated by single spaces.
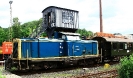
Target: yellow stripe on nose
pixel 19 49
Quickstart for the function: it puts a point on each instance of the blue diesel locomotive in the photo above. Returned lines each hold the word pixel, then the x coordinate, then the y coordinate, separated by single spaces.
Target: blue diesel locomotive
pixel 50 53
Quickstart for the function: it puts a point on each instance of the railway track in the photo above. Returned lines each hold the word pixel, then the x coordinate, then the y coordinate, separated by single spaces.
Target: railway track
pixel 103 74
pixel 71 72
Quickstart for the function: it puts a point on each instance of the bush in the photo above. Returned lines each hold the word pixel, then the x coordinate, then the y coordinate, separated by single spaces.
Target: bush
pixel 1 76
pixel 126 67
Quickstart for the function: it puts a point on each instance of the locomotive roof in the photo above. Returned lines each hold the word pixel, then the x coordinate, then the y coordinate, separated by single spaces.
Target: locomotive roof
pixel 58 8
pixel 114 39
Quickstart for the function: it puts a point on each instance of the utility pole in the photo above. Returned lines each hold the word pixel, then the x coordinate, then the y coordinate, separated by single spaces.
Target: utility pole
pixel 100 7
pixel 10 27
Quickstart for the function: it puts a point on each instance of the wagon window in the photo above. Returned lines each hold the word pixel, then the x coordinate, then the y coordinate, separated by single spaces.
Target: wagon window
pixel 114 45
pixel 130 46
pixel 125 46
pixel 121 45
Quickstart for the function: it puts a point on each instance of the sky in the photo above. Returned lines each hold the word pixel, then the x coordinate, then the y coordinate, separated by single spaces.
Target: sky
pixel 117 15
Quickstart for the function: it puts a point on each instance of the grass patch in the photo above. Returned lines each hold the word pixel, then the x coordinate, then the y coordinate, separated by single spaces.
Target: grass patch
pixel 1 70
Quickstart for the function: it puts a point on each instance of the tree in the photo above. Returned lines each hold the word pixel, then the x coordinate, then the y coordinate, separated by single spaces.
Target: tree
pixel 16 29
pixel 6 34
pixel 1 35
pixel 90 34
pixel 29 27
pixel 126 67
pixel 84 32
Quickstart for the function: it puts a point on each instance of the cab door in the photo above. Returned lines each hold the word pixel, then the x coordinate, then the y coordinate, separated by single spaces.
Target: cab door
pixel 94 48
pixel 114 50
pixel 76 49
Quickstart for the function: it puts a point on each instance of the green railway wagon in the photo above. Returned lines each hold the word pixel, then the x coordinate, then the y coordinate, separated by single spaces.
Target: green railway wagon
pixel 114 48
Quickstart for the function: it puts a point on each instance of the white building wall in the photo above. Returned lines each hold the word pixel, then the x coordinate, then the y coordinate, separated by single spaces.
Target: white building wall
pixel 129 36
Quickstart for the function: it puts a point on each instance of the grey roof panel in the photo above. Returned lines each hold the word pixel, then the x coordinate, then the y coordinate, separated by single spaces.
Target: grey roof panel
pixel 118 40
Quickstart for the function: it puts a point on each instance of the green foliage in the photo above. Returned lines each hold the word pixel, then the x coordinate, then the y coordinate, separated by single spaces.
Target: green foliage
pixel 2 76
pixel 29 27
pixel 24 30
pixel 1 35
pixel 44 34
pixel 84 32
pixel 16 29
pixel 13 69
pixel 126 67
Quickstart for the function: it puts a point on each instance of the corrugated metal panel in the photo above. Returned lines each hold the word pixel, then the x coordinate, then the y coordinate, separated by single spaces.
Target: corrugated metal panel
pixel 66 21
pixel 58 16
pixel 65 18
pixel 59 19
